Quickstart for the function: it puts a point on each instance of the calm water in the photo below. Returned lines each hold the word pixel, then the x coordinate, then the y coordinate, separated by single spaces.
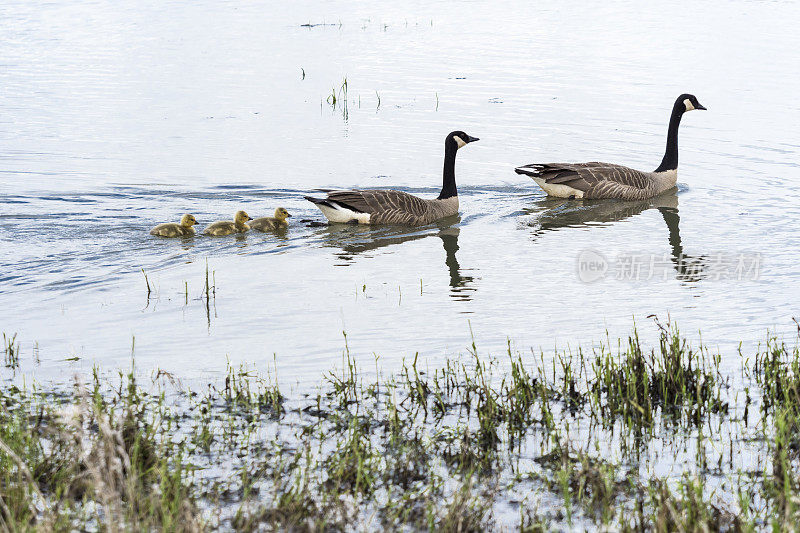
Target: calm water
pixel 116 118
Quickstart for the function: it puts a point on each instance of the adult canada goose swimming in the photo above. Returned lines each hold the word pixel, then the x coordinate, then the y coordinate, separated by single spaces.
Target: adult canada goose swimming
pixel 606 180
pixel 227 227
pixel 272 223
pixel 170 229
pixel 397 207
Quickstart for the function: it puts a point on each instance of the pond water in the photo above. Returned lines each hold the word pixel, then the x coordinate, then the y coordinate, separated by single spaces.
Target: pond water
pixel 114 118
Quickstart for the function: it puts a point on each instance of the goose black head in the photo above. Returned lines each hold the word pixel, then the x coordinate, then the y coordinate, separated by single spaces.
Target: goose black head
pixel 689 102
pixel 460 138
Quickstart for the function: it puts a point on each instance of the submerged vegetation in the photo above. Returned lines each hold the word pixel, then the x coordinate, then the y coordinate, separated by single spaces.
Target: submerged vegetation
pixel 338 99
pixel 10 351
pixel 644 438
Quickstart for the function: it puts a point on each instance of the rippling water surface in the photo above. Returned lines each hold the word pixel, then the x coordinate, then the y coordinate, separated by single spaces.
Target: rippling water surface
pixel 114 118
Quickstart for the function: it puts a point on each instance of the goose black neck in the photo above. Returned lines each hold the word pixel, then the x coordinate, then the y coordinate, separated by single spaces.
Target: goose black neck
pixel 670 161
pixel 449 172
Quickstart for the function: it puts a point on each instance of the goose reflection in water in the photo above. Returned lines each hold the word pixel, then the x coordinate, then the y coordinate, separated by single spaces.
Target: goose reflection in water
pixel 460 285
pixel 551 214
pixel 353 240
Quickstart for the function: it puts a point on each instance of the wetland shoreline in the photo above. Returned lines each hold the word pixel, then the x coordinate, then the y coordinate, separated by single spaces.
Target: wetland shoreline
pixel 628 436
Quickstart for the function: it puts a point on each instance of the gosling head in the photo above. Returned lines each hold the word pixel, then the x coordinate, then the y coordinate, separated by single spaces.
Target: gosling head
pixel 241 217
pixel 281 214
pixel 459 138
pixel 689 102
pixel 188 221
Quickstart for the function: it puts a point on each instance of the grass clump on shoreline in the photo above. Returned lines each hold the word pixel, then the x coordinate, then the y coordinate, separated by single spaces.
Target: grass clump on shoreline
pixel 61 459
pixel 673 377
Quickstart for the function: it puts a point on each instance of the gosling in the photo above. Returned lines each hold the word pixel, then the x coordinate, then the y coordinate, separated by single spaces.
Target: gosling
pixel 278 222
pixel 170 229
pixel 227 227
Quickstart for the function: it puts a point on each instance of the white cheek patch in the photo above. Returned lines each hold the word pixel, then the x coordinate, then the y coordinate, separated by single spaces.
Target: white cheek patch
pixel 459 141
pixel 688 104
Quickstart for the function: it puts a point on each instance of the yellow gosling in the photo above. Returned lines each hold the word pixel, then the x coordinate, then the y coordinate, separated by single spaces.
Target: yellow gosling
pixel 278 222
pixel 227 227
pixel 170 229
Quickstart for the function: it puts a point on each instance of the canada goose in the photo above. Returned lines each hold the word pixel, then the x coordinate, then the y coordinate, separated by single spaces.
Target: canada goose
pixel 272 223
pixel 170 229
pixel 397 207
pixel 227 227
pixel 606 180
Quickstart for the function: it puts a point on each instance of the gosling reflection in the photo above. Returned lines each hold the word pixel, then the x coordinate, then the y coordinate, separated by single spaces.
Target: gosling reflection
pixel 352 240
pixel 552 214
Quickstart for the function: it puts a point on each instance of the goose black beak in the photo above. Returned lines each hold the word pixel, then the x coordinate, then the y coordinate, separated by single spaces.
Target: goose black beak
pixel 701 107
pixel 288 215
pixel 471 139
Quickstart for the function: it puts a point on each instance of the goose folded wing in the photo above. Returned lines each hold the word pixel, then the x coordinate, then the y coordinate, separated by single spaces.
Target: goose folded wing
pixel 599 179
pixel 380 202
pixel 354 200
pixel 398 207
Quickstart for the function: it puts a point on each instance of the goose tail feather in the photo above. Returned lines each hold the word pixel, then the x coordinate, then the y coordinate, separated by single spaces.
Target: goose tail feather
pixel 534 169
pixel 319 201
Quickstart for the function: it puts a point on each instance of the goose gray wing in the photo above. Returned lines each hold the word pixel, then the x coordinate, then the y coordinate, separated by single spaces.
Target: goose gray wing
pixel 595 179
pixel 383 206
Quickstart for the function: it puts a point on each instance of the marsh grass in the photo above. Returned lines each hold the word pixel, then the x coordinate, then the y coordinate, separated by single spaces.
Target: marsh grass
pixel 147 284
pixel 338 99
pixel 91 462
pixel 247 391
pixel 672 378
pixel 687 508
pixel 10 351
pixel 776 370
pixel 561 443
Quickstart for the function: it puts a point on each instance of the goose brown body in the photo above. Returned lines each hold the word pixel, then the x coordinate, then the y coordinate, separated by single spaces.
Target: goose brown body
pixel 395 207
pixel 599 180
pixel 607 180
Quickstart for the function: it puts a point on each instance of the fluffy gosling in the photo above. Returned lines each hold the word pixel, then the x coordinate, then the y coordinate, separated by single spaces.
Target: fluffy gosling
pixel 227 227
pixel 278 222
pixel 170 229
